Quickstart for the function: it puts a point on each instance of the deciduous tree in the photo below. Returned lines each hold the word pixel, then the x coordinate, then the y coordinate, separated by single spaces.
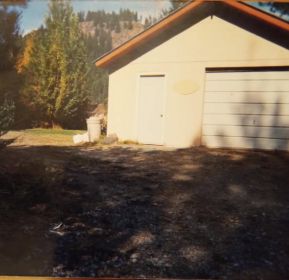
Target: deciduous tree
pixel 56 75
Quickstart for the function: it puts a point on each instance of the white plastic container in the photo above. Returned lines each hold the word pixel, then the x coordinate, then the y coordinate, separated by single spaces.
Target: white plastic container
pixel 80 138
pixel 93 129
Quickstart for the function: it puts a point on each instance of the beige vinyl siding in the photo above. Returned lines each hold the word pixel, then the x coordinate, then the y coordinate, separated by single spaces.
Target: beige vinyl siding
pixel 242 75
pixel 247 85
pixel 246 143
pixel 249 131
pixel 247 110
pixel 246 97
pixel 245 120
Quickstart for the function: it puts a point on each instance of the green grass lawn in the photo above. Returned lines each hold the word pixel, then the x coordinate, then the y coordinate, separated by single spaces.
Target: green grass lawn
pixel 60 132
pixel 42 137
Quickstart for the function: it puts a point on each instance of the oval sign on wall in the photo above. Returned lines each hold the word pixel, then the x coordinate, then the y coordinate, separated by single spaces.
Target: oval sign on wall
pixel 185 87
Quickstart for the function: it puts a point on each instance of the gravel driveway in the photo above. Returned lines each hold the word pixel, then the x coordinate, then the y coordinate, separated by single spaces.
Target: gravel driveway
pixel 128 211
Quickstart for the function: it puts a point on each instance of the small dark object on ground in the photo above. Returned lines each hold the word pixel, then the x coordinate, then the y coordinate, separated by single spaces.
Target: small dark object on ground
pixel 110 139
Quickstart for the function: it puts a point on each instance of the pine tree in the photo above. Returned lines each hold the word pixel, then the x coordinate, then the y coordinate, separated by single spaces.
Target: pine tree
pixel 101 42
pixel 56 88
pixel 178 3
pixel 10 45
pixel 7 111
pixel 147 23
pixel 81 16
pixel 281 7
pixel 9 38
pixel 117 26
pixel 130 25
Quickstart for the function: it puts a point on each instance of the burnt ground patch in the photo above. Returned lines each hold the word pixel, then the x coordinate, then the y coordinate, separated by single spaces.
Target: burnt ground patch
pixel 133 212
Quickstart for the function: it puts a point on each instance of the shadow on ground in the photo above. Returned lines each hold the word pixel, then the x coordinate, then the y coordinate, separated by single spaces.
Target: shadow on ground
pixel 192 213
pixel 6 142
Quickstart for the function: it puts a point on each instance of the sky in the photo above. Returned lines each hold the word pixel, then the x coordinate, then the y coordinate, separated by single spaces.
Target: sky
pixel 34 13
pixel 276 13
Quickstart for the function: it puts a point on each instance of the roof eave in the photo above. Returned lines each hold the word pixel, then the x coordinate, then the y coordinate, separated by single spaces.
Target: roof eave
pixel 109 58
pixel 258 14
pixel 149 33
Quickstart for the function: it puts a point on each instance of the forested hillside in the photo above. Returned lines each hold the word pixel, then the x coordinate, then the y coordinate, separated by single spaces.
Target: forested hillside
pixel 102 32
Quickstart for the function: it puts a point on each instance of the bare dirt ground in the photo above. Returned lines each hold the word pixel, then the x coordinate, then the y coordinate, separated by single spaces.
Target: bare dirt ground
pixel 128 211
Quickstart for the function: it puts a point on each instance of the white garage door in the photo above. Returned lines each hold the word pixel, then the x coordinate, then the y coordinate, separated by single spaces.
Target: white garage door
pixel 247 110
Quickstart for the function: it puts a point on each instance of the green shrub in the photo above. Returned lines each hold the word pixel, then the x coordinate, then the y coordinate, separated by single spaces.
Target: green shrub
pixel 7 110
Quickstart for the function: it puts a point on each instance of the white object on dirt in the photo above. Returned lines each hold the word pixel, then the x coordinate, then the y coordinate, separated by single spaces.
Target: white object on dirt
pixel 58 226
pixel 93 129
pixel 58 229
pixel 80 138
pixel 60 233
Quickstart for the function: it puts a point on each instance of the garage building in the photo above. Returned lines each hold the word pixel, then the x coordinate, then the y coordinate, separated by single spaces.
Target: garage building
pixel 211 73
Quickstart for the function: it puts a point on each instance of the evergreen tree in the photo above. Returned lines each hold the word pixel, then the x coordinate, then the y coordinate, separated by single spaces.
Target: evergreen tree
pixel 100 43
pixel 10 45
pixel 56 75
pixel 9 38
pixel 98 78
pixel 81 16
pixel 130 25
pixel 177 3
pixel 281 7
pixel 117 27
pixel 7 111
pixel 147 23
pixel 135 16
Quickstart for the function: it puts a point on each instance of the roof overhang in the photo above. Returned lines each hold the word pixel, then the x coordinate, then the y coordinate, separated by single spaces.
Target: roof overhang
pixel 162 26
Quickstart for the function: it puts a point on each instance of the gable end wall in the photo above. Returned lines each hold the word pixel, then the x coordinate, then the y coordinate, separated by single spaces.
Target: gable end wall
pixel 184 58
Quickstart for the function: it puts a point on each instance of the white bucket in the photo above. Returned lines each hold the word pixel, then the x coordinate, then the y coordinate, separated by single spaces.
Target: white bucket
pixel 93 129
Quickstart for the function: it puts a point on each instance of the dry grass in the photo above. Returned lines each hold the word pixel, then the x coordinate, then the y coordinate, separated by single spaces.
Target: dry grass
pixel 41 137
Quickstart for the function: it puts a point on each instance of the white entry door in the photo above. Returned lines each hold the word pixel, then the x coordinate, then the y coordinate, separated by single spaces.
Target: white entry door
pixel 151 110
